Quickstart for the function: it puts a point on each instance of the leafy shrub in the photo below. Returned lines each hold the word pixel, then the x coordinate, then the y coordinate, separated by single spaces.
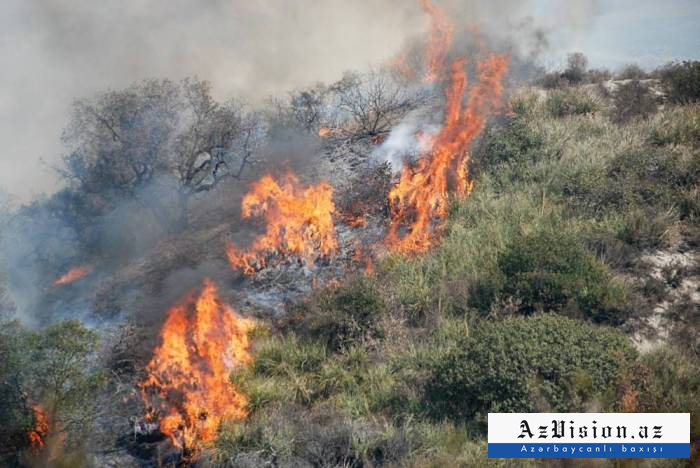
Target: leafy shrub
pixel 544 363
pixel 552 271
pixel 341 316
pixel 514 141
pixel 632 100
pixel 571 101
pixel 553 80
pixel 682 81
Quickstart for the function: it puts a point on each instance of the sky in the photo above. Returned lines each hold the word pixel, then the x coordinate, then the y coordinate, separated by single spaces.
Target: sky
pixel 55 51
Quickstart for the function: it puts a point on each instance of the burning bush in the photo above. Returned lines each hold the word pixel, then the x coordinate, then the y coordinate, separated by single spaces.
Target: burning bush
pixel 545 363
pixel 299 221
pixel 187 389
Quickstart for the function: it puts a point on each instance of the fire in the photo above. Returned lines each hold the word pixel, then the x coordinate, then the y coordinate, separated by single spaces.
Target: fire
pixel 422 192
pixel 37 435
pixel 73 274
pixel 187 389
pixel 299 221
pixel 324 131
pixel 438 42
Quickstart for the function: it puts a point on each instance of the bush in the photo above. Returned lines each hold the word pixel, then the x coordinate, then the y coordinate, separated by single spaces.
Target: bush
pixel 514 141
pixel 293 436
pixel 552 271
pixel 632 71
pixel 682 81
pixel 541 364
pixel 678 125
pixel 576 68
pixel 572 101
pixel 632 100
pixel 342 316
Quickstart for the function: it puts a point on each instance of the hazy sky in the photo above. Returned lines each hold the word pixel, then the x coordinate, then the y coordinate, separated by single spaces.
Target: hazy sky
pixel 53 51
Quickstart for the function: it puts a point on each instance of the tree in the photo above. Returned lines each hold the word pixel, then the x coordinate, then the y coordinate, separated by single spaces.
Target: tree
pixel 63 378
pixel 373 101
pixel 577 64
pixel 121 142
pixel 15 413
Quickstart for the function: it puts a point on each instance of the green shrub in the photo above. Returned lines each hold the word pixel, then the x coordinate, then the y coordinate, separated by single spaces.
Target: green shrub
pixel 514 141
pixel 682 81
pixel 571 101
pixel 552 271
pixel 632 100
pixel 342 316
pixel 544 363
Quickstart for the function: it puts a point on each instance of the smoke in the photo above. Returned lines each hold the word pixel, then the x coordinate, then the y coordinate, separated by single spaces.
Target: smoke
pixel 60 50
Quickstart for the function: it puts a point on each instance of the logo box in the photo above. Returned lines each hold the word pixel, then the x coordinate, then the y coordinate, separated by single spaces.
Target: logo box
pixel 589 435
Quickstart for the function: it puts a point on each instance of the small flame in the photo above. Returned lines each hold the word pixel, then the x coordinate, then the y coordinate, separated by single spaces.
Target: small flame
pixel 324 131
pixel 422 193
pixel 37 435
pixel 187 389
pixel 73 274
pixel 299 221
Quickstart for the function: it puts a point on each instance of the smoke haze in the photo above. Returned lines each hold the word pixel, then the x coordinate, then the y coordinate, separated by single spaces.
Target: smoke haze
pixel 57 50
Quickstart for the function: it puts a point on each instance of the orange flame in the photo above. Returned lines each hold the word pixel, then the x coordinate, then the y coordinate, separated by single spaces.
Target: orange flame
pixel 324 131
pixel 73 274
pixel 438 42
pixel 422 192
pixel 37 435
pixel 299 221
pixel 188 388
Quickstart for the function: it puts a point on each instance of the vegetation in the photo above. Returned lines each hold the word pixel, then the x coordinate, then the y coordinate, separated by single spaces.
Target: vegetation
pixel 521 307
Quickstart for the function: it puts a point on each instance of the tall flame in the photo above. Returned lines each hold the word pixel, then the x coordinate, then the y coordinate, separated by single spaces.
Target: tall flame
pixel 422 193
pixel 73 274
pixel 299 221
pixel 438 42
pixel 188 389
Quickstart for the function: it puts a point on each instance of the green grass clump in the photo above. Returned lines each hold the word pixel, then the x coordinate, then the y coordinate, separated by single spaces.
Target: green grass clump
pixel 571 101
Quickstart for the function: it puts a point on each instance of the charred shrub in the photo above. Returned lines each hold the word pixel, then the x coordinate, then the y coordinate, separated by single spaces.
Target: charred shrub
pixel 526 365
pixel 342 316
pixel 632 100
pixel 682 81
pixel 552 271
